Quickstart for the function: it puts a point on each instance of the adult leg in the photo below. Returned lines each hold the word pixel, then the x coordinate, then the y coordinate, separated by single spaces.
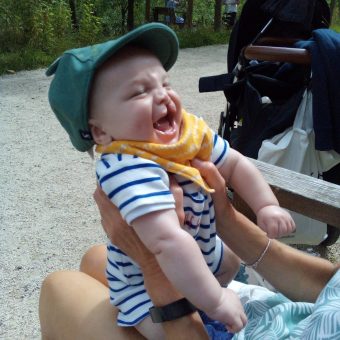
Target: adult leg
pixel 93 263
pixel 75 306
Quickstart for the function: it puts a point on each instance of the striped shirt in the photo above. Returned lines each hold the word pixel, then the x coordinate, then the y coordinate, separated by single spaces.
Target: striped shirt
pixel 138 186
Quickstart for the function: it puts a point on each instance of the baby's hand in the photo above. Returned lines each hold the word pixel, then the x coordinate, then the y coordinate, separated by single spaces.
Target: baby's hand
pixel 229 311
pixel 275 221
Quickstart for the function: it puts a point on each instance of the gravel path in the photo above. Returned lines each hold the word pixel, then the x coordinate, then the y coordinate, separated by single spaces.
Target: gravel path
pixel 48 218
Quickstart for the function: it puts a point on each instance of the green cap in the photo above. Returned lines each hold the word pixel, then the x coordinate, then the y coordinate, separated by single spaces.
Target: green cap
pixel 74 70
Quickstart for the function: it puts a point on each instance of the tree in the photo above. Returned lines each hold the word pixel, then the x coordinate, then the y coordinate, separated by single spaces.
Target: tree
pixel 130 15
pixel 332 7
pixel 74 17
pixel 147 10
pixel 218 13
pixel 190 8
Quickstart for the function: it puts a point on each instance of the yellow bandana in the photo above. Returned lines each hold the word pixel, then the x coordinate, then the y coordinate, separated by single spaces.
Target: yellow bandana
pixel 196 141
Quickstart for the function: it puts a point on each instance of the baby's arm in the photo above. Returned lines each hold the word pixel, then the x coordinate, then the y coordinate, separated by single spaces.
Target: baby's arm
pixel 248 182
pixel 182 262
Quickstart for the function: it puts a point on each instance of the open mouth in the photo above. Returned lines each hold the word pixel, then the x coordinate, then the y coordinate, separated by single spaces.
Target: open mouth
pixel 164 124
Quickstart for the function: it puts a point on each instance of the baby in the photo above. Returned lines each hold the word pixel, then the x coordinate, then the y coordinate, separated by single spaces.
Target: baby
pixel 117 95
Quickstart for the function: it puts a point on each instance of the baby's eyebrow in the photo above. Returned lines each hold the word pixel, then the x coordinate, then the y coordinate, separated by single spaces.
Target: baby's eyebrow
pixel 135 82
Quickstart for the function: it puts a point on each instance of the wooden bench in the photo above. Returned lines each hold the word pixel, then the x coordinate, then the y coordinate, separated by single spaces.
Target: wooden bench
pixel 160 14
pixel 306 195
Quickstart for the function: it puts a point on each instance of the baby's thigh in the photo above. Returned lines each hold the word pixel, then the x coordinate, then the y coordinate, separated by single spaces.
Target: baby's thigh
pixel 230 265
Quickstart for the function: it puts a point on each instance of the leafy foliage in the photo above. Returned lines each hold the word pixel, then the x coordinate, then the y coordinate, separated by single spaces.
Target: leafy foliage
pixel 33 33
pixel 89 24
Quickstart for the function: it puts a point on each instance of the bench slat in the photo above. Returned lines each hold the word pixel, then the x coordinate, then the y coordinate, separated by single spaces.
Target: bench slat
pixel 304 194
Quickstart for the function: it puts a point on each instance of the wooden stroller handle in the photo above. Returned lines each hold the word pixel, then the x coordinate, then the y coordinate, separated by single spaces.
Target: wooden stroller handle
pixel 280 54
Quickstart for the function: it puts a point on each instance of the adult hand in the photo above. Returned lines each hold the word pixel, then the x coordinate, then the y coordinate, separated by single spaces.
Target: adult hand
pixel 177 192
pixel 123 235
pixel 158 286
pixel 215 181
pixel 117 230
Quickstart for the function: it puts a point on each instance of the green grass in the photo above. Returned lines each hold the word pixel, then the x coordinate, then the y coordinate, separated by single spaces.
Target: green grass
pixel 27 58
pixel 202 37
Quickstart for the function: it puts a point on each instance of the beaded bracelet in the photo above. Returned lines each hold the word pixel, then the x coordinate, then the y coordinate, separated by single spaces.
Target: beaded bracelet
pixel 256 263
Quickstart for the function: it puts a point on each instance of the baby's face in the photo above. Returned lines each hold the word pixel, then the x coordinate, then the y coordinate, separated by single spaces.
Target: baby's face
pixel 132 100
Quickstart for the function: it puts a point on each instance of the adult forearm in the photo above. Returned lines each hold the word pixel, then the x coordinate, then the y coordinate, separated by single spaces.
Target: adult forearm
pixel 295 274
pixel 287 269
pixel 158 286
pixel 180 258
pixel 162 293
pixel 182 262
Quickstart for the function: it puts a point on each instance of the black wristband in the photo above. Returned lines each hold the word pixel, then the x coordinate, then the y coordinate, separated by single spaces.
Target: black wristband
pixel 172 311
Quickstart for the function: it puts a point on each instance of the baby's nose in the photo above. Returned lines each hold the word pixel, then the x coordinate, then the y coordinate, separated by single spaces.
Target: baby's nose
pixel 162 95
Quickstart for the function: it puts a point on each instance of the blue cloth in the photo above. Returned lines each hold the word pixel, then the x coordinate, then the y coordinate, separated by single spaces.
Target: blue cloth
pixel 324 47
pixel 273 316
pixel 215 329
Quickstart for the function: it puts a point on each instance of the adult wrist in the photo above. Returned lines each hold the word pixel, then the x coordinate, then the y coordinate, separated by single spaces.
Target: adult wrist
pixel 254 264
pixel 172 311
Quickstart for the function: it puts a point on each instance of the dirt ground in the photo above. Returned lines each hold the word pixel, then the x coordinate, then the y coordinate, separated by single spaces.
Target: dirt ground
pixel 48 217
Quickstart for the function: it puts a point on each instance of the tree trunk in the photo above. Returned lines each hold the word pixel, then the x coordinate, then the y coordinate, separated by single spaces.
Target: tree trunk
pixel 332 7
pixel 73 8
pixel 147 10
pixel 218 14
pixel 130 15
pixel 190 7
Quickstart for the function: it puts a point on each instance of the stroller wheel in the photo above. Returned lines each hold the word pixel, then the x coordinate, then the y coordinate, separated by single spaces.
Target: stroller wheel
pixel 333 236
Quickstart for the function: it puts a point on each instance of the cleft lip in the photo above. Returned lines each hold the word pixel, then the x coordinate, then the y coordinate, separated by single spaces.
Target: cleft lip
pixel 166 117
pixel 167 125
pixel 164 123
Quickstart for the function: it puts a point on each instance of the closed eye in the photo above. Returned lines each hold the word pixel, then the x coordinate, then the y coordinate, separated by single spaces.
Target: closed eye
pixel 137 92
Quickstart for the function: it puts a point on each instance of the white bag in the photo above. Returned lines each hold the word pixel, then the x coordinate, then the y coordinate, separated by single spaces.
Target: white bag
pixel 294 149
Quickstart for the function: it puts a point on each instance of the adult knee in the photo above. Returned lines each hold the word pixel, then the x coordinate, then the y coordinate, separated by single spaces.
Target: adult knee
pixel 93 263
pixel 49 296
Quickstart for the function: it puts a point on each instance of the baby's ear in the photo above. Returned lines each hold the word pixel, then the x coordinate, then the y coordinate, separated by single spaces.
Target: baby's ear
pixel 98 134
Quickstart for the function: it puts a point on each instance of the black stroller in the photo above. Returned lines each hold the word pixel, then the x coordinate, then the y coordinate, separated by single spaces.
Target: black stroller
pixel 268 75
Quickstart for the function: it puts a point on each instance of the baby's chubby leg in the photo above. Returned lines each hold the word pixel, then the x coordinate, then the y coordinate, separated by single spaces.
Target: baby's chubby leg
pixel 229 267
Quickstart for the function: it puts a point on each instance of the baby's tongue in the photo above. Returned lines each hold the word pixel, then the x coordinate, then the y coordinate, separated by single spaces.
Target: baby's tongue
pixel 162 124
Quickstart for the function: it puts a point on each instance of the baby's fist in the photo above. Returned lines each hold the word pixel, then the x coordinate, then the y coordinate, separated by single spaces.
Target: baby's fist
pixel 275 221
pixel 229 311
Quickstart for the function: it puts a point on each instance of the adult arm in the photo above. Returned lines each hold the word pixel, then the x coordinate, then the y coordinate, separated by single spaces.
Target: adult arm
pixel 297 275
pixel 160 290
pixel 183 263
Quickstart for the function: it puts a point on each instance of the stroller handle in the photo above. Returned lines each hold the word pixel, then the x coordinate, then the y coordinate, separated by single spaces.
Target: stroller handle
pixel 279 54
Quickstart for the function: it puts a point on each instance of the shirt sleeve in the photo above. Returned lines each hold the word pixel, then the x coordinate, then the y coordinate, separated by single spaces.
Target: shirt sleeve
pixel 220 150
pixel 135 185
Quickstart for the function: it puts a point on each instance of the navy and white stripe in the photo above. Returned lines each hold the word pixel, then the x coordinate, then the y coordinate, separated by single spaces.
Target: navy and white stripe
pixel 139 186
